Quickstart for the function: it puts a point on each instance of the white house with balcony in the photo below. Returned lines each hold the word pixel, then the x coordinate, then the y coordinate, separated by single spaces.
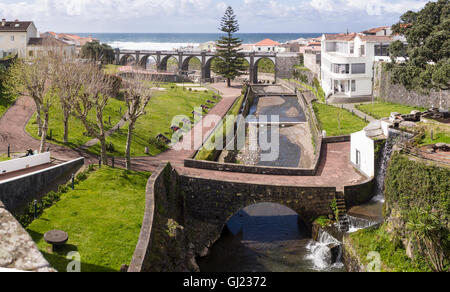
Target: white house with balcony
pixel 15 35
pixel 348 62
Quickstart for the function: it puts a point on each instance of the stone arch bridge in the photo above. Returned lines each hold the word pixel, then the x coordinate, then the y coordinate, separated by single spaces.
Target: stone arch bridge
pixel 284 63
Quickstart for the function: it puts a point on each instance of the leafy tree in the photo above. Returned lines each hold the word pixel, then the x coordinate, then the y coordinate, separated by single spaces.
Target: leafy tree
pixel 98 52
pixel 230 63
pixel 427 50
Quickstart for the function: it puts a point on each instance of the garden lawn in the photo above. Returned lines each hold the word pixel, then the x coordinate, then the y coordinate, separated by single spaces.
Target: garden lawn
pixel 327 116
pixel 383 109
pixel 103 218
pixel 5 102
pixel 4 157
pixel 76 128
pixel 163 107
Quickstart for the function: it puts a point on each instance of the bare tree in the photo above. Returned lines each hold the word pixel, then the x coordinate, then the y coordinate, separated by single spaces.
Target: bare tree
pixel 93 96
pixel 68 80
pixel 31 78
pixel 137 95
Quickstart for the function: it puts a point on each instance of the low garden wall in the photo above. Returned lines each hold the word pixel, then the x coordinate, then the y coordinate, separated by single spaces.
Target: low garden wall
pixel 15 193
pixel 25 162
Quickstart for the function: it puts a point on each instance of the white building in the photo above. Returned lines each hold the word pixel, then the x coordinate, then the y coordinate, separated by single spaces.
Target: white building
pixel 264 46
pixel 347 63
pixel 37 46
pixel 15 35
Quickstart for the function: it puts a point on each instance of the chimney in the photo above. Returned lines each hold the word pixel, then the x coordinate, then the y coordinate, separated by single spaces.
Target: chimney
pixel 3 22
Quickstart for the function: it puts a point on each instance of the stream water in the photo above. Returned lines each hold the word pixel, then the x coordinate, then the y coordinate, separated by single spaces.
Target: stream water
pixel 267 238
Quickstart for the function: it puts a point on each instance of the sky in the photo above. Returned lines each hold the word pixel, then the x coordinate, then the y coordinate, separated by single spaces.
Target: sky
pixel 203 16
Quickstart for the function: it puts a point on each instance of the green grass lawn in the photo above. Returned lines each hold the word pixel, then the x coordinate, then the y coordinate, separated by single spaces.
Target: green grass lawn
pixel 161 110
pixel 5 102
pixel 382 109
pixel 76 129
pixel 327 116
pixel 103 218
pixel 441 133
pixel 393 255
pixel 4 157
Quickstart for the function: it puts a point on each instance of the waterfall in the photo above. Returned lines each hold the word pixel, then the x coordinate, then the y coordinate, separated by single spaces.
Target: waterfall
pixel 394 136
pixel 359 223
pixel 326 253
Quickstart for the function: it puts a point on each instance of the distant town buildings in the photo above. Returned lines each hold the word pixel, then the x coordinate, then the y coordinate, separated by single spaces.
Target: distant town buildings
pixel 347 61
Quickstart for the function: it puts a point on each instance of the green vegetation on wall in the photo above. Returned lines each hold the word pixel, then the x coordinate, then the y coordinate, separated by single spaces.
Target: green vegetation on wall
pixel 420 195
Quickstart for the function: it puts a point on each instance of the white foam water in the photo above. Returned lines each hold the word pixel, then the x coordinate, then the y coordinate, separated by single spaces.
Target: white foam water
pixel 320 252
pixel 152 46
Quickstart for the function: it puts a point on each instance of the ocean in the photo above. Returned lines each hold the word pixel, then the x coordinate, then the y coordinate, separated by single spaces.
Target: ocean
pixel 173 41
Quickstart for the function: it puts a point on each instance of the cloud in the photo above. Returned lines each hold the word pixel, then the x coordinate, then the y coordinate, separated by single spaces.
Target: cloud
pixel 370 7
pixel 108 9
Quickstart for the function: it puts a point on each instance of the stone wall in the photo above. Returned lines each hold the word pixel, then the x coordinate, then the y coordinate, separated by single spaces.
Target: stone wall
pixel 17 249
pixel 162 245
pixel 386 90
pixel 359 194
pixel 17 193
pixel 285 65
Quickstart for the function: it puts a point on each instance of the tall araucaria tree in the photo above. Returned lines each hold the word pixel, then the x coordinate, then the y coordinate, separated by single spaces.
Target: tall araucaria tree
pixel 230 62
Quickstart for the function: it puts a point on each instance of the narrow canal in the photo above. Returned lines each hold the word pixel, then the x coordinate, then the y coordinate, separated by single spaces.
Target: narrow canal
pixel 267 238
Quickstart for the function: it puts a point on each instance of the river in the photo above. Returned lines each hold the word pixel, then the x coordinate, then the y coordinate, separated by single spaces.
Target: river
pixel 267 238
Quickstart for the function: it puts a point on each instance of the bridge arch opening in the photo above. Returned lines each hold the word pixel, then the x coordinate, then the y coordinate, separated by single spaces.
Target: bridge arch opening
pixel 169 64
pixel 128 60
pixel 193 63
pixel 149 62
pixel 258 238
pixel 264 71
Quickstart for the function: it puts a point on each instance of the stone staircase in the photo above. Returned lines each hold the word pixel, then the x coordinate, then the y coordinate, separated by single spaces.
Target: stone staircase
pixel 344 224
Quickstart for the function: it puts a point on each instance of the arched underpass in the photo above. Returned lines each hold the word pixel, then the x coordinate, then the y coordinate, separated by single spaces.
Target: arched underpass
pixel 263 237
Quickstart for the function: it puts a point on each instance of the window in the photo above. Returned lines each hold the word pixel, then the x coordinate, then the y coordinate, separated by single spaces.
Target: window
pixel 353 85
pixel 352 48
pixel 363 50
pixel 358 158
pixel 359 68
pixel 340 68
pixel 382 50
pixel 12 38
pixel 30 53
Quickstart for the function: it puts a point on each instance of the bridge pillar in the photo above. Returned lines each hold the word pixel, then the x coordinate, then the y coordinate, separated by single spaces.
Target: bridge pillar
pixel 204 67
pixel 276 69
pixel 180 63
pixel 138 57
pixel 117 54
pixel 158 61
pixel 253 71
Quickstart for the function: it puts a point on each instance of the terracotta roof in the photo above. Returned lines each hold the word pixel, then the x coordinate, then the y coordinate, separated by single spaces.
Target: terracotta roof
pixel 341 37
pixel 376 29
pixel 375 38
pixel 267 43
pixel 19 26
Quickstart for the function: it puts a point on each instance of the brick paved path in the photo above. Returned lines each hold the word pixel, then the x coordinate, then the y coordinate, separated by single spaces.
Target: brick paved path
pixel 335 169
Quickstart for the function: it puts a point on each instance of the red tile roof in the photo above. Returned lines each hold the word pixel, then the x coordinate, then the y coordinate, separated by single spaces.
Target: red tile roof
pixel 267 43
pixel 376 29
pixel 341 37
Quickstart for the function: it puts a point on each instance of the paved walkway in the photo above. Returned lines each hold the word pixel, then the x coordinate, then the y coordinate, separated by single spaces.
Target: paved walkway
pixel 351 107
pixel 335 169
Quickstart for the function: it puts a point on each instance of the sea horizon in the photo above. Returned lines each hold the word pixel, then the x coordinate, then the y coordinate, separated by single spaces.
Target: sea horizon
pixel 173 41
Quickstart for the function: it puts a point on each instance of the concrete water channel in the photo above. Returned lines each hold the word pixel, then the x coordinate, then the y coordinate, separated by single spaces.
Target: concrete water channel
pixel 277 125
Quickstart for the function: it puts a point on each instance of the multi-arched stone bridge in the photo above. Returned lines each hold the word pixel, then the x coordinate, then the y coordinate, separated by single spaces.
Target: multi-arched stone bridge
pixel 284 63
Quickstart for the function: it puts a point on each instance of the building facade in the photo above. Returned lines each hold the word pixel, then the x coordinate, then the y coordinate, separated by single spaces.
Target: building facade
pixel 14 37
pixel 348 61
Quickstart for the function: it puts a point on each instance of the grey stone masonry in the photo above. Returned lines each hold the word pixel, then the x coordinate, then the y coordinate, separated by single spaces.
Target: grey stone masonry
pixel 17 249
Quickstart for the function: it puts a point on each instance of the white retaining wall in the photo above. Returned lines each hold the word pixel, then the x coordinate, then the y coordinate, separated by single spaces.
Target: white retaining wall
pixel 24 163
pixel 366 147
